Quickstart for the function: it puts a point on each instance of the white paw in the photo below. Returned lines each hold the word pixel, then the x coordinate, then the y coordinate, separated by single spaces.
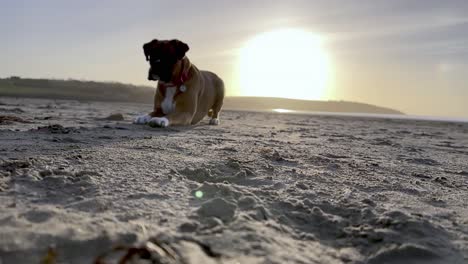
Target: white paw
pixel 214 121
pixel 141 120
pixel 158 122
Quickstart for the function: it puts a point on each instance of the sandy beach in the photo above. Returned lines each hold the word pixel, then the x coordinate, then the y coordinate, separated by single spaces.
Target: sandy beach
pixel 78 179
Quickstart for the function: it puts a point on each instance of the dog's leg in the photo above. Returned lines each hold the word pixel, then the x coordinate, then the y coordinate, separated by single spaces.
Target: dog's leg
pixel 216 109
pixel 175 119
pixel 157 112
pixel 185 108
pixel 142 119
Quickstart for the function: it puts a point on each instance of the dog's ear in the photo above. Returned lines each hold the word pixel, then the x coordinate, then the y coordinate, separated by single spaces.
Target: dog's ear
pixel 180 48
pixel 147 47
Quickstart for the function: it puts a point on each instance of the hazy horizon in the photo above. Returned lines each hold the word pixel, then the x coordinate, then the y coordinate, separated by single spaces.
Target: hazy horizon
pixel 406 55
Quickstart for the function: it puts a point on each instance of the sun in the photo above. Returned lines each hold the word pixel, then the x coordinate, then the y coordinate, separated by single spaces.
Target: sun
pixel 286 63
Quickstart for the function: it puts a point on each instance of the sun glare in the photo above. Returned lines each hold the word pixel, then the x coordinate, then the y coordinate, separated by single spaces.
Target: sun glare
pixel 287 63
pixel 282 111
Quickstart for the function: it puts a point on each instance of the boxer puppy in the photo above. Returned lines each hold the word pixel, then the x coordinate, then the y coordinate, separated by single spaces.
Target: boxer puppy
pixel 185 94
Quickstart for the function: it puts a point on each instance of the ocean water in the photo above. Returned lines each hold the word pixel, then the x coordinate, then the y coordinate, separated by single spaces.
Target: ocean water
pixel 384 116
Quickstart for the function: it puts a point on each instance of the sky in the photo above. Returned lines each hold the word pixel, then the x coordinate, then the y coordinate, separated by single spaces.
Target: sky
pixel 410 55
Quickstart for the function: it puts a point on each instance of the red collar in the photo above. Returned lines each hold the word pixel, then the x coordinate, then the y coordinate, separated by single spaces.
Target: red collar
pixel 183 78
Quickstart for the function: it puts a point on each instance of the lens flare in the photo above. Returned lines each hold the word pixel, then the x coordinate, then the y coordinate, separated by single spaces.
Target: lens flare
pixel 199 194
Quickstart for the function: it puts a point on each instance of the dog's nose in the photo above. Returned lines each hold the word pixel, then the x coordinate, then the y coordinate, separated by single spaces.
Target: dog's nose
pixel 151 76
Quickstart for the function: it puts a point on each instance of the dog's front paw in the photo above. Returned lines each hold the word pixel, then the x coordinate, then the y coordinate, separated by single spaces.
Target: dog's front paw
pixel 158 122
pixel 141 120
pixel 214 121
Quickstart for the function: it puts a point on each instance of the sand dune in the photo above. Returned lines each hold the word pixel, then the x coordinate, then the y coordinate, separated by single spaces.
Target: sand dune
pixel 259 188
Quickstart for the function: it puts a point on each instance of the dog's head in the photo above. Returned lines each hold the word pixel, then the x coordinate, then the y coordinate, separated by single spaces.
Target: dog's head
pixel 163 55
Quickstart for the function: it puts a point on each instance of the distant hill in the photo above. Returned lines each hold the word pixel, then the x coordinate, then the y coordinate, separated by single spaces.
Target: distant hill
pixel 75 90
pixel 113 91
pixel 266 103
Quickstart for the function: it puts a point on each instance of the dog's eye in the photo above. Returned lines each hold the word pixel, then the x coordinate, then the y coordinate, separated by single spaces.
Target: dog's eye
pixel 157 60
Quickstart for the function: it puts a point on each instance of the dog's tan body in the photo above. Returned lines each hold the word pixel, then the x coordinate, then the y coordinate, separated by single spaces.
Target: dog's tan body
pixel 204 92
pixel 200 94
